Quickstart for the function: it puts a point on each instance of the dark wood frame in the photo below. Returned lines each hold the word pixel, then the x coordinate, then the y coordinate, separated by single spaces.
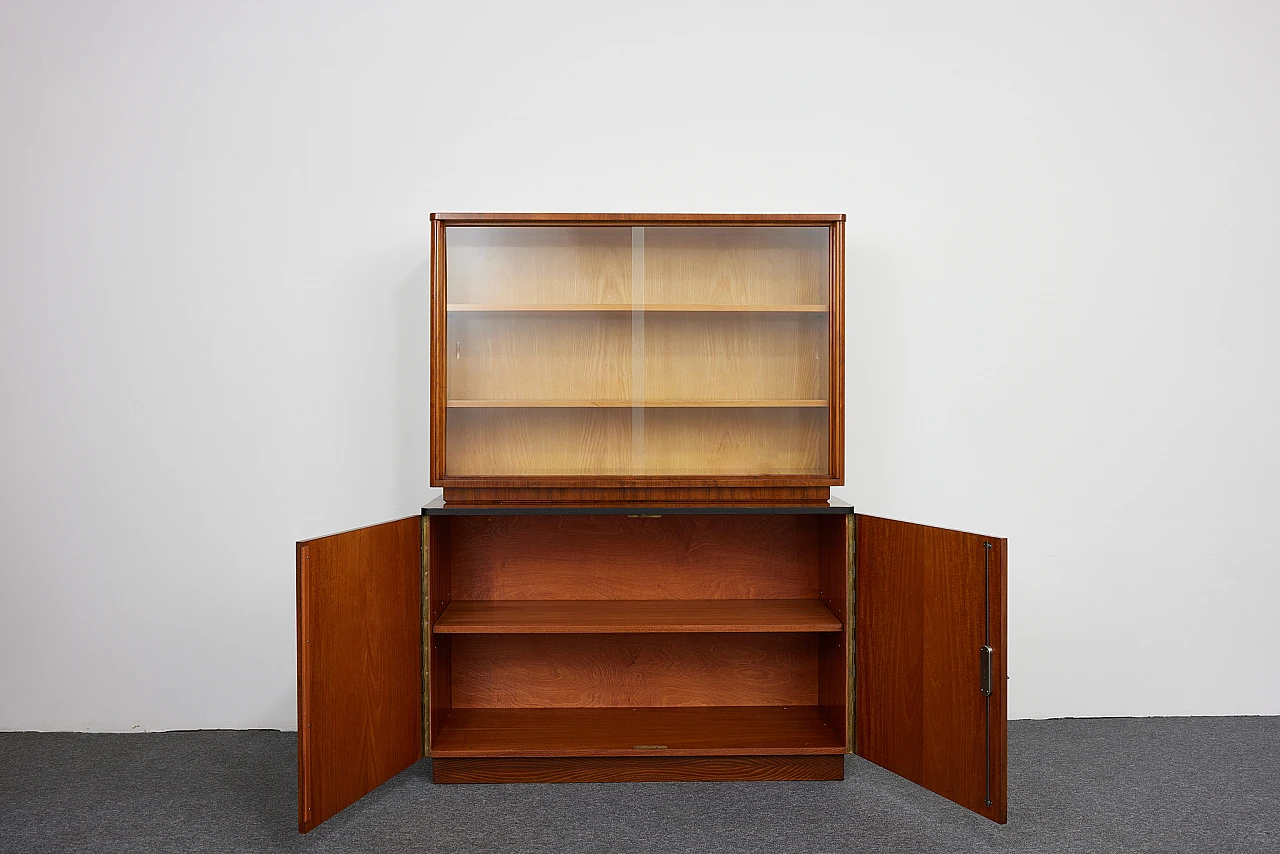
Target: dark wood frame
pixel 537 489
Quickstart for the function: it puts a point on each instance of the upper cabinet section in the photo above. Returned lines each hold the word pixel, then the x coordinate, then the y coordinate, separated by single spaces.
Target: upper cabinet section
pixel 602 357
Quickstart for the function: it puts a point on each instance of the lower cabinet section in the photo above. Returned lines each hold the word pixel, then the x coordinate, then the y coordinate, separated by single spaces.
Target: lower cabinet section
pixel 637 769
pixel 641 646
pixel 645 643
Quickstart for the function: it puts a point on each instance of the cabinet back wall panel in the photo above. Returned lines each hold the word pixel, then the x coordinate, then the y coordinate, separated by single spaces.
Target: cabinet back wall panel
pixel 539 265
pixel 540 357
pixel 735 356
pixel 736 266
pixel 616 557
pixel 773 441
pixel 588 671
pixel 589 441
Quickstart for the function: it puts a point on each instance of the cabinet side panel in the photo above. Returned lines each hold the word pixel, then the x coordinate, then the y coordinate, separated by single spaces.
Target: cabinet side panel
pixel 833 664
pixel 440 646
pixel 359 664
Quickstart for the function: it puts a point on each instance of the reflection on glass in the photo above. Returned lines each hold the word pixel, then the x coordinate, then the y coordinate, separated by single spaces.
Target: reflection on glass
pixel 637 351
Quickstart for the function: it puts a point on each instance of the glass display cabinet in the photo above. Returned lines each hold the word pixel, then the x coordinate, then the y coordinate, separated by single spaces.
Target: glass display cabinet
pixel 636 571
pixel 637 358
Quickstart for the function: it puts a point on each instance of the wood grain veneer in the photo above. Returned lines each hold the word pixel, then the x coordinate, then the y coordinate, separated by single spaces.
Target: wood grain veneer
pixel 597 441
pixel 531 264
pixel 727 356
pixel 561 441
pixel 735 442
pixel 359 664
pixel 637 769
pixel 691 731
pixel 595 670
pixel 548 356
pixel 744 264
pixel 772 556
pixel 623 616
pixel 920 615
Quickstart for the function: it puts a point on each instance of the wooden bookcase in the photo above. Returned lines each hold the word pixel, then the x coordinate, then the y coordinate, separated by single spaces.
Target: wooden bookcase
pixel 622 357
pixel 636 571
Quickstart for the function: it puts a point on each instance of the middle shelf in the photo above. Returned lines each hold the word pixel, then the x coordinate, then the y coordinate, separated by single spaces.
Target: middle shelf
pixel 624 403
pixel 635 616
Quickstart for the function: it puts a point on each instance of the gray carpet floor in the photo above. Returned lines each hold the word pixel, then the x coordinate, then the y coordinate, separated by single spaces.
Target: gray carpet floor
pixel 1120 784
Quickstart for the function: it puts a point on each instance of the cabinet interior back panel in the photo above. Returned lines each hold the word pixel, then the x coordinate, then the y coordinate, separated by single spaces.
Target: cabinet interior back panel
pixel 735 356
pixel 737 266
pixel 588 671
pixel 616 557
pixel 584 441
pixel 586 357
pixel 787 440
pixel 506 265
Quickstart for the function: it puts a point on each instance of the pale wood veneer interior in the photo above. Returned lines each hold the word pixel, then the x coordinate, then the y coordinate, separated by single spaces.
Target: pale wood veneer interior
pixel 725 369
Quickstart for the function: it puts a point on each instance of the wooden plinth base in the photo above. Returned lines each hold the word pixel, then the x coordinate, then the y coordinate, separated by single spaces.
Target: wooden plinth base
pixel 637 769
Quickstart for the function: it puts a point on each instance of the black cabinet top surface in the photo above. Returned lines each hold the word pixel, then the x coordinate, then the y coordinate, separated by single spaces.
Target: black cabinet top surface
pixel 438 508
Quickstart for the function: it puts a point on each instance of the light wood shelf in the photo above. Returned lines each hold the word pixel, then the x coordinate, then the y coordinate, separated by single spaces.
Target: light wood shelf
pixel 644 731
pixel 629 404
pixel 517 308
pixel 635 616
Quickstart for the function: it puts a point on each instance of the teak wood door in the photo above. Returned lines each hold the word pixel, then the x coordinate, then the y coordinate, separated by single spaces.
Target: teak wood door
pixel 931 659
pixel 359 664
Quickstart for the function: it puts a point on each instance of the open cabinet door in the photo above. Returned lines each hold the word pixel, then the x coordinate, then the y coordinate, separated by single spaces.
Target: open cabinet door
pixel 359 664
pixel 931 659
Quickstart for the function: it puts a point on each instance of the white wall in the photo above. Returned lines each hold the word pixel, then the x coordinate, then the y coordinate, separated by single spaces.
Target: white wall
pixel 1064 282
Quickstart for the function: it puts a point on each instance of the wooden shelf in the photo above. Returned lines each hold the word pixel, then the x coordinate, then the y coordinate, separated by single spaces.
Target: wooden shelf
pixel 517 308
pixel 629 404
pixel 632 616
pixel 646 731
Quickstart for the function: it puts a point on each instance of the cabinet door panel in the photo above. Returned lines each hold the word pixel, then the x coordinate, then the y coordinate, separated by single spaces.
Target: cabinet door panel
pixel 928 601
pixel 359 664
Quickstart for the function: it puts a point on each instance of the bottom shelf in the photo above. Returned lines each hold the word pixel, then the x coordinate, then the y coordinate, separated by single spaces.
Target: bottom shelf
pixel 636 769
pixel 647 731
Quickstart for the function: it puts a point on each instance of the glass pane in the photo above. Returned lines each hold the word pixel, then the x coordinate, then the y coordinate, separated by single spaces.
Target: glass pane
pixel 540 350
pixel 747 357
pixel 633 351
